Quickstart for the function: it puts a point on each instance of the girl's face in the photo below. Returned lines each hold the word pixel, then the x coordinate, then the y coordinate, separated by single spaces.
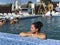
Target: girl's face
pixel 33 29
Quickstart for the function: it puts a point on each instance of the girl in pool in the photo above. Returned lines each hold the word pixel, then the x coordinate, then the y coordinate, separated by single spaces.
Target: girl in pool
pixel 35 31
pixel 13 21
pixel 50 6
pixel 2 22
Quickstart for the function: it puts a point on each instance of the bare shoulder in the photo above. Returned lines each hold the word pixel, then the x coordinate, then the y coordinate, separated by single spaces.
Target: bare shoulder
pixel 42 36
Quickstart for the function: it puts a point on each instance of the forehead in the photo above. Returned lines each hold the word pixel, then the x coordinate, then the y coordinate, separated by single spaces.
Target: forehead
pixel 32 25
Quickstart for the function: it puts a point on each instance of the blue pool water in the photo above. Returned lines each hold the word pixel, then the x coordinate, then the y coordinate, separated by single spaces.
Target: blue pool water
pixel 51 26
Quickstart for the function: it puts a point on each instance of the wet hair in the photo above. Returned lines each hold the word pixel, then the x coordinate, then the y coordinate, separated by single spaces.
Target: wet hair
pixel 38 25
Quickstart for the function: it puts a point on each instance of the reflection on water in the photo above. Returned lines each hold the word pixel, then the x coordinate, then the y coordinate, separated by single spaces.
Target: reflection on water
pixel 51 26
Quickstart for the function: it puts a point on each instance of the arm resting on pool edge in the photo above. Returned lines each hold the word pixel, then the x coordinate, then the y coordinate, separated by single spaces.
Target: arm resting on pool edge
pixel 24 34
pixel 41 36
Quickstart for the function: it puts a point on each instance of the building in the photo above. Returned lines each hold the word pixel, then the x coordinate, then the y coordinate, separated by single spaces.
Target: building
pixel 8 7
pixel 5 8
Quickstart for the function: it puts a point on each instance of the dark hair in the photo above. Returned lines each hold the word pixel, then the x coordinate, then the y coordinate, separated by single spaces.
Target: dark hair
pixel 38 25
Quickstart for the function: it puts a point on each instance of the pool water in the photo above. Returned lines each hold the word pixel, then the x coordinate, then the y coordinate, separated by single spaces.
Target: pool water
pixel 51 26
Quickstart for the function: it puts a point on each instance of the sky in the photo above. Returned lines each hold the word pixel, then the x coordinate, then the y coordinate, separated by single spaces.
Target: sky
pixel 12 1
pixel 22 1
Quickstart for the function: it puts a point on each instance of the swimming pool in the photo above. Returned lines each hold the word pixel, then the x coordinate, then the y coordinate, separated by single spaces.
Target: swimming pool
pixel 51 26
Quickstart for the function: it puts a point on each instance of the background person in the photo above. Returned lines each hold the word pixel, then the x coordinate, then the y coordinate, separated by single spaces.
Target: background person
pixel 50 6
pixel 43 7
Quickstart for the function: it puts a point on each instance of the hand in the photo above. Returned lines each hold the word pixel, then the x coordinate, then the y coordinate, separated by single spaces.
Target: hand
pixel 34 35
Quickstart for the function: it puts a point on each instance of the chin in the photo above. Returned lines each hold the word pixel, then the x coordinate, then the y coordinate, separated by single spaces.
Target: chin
pixel 33 32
